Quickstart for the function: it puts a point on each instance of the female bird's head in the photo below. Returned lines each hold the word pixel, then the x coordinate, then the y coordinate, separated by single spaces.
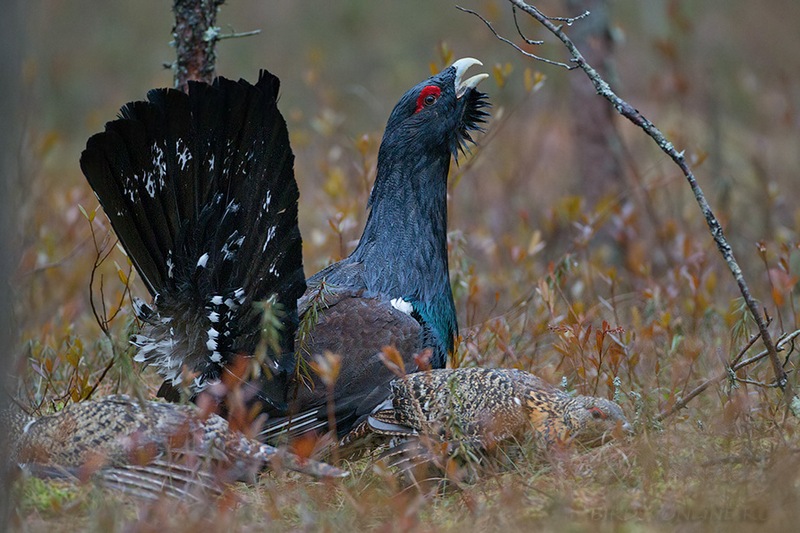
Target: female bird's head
pixel 592 421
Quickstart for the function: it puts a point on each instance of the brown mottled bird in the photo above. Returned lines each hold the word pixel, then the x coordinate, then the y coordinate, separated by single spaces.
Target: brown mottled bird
pixel 484 407
pixel 146 447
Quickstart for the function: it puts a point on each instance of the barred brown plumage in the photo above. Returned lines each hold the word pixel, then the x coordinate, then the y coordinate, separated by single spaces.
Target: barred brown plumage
pixel 484 407
pixel 146 447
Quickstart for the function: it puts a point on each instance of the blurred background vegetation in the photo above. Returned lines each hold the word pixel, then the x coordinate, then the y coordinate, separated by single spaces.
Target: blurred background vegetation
pixel 543 271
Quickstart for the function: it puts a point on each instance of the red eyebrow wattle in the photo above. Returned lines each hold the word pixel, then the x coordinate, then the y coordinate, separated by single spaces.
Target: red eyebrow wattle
pixel 428 90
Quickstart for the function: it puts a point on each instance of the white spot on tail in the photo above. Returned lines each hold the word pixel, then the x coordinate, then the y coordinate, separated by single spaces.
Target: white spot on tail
pixel 201 263
pixel 233 244
pixel 270 236
pixel 184 156
pixel 227 253
pixel 150 184
pixel 159 164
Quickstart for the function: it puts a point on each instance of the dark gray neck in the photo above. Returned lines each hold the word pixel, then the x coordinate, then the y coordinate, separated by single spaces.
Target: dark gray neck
pixel 404 245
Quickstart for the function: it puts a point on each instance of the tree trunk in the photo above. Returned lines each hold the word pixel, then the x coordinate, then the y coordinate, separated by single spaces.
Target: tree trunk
pixel 12 42
pixel 195 37
pixel 596 141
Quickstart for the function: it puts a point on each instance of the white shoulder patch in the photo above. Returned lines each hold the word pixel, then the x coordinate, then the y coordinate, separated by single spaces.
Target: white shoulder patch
pixel 402 305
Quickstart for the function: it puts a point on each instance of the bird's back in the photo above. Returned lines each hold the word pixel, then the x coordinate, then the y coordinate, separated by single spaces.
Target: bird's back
pixel 484 406
pixel 145 445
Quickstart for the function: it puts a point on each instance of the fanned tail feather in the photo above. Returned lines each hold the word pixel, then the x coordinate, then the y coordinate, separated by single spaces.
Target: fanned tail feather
pixel 200 190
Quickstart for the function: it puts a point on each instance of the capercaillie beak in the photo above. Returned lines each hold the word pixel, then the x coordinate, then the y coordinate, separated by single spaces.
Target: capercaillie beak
pixel 461 66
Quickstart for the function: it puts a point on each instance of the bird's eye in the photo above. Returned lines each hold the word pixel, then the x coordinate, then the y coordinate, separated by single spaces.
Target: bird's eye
pixel 429 96
pixel 597 413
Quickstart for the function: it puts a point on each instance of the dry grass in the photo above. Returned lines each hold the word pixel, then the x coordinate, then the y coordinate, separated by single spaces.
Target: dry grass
pixel 628 287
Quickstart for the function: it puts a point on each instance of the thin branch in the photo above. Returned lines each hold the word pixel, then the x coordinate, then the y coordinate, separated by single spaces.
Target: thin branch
pixel 756 383
pixel 520 50
pixel 102 376
pixel 728 371
pixel 98 248
pixel 519 30
pixel 632 114
pixel 781 343
pixel 57 263
pixel 234 35
pixel 102 251
pixel 750 343
pixel 569 21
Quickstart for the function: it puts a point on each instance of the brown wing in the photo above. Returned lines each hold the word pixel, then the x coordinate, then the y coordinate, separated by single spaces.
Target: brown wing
pixel 357 329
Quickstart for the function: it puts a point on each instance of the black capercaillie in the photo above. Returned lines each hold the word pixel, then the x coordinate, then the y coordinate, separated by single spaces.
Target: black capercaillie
pixel 200 190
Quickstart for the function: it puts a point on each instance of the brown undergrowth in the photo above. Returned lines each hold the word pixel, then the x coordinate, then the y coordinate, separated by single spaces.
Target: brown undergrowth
pixel 621 296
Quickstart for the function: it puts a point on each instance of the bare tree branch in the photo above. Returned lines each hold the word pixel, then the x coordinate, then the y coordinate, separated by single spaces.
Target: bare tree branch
pixel 632 114
pixel 238 35
pixel 598 149
pixel 520 50
pixel 13 44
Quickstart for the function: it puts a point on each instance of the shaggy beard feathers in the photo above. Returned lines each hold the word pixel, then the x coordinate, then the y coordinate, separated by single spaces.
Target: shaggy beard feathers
pixel 474 116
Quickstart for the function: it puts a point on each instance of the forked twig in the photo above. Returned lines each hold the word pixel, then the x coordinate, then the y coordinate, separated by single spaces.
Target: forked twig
pixel 102 251
pixel 731 370
pixel 517 48
pixel 632 114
